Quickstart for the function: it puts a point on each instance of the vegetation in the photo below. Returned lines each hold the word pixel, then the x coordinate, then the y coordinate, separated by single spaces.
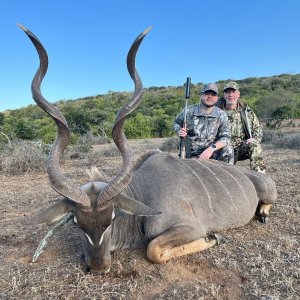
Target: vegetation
pixel 258 261
pixel 291 141
pixel 22 157
pixel 273 98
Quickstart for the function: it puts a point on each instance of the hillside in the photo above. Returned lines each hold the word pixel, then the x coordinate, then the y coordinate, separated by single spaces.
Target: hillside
pixel 276 97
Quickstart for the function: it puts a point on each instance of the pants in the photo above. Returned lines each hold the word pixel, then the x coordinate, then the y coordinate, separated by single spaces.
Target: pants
pixel 253 152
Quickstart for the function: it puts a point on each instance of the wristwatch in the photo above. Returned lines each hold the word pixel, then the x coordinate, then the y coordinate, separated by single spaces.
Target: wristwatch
pixel 214 147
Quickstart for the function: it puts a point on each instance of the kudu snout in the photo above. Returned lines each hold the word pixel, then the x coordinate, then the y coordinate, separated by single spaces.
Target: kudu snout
pixel 97 263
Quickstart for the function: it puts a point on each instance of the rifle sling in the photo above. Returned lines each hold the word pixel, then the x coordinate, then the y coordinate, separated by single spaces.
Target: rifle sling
pixel 245 123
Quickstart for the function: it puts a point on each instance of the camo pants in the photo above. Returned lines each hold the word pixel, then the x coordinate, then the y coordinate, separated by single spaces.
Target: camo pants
pixel 253 152
pixel 225 154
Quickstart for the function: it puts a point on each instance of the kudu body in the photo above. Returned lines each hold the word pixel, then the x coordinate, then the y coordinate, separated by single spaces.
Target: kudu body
pixel 166 204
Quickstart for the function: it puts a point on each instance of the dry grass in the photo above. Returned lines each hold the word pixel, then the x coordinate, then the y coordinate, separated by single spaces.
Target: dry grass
pixel 22 157
pixel 257 262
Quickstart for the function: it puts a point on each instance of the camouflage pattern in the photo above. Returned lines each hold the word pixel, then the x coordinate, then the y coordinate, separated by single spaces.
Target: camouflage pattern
pixel 239 135
pixel 209 87
pixel 253 152
pixel 225 154
pixel 231 85
pixel 205 130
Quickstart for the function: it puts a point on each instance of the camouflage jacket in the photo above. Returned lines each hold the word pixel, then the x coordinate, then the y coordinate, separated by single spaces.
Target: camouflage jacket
pixel 239 131
pixel 204 129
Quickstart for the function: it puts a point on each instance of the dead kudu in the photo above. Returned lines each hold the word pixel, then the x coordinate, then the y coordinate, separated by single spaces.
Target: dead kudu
pixel 160 202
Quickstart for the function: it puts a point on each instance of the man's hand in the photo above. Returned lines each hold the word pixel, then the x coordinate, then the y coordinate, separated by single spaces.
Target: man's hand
pixel 182 132
pixel 206 154
pixel 250 141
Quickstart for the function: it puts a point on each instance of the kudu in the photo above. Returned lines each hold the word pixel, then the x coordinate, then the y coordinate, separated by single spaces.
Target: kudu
pixel 166 204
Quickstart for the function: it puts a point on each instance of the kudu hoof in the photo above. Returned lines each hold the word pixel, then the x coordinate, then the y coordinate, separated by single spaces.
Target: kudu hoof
pixel 264 219
pixel 217 237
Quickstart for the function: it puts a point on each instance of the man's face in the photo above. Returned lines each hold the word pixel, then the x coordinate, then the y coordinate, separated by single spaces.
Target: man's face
pixel 231 96
pixel 209 98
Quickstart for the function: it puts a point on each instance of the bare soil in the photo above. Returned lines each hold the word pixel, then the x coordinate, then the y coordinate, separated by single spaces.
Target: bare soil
pixel 258 261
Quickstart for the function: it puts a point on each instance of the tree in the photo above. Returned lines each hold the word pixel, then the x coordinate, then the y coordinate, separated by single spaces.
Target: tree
pixel 22 128
pixel 266 105
pixel 76 118
pixel 138 127
pixel 1 119
pixel 283 112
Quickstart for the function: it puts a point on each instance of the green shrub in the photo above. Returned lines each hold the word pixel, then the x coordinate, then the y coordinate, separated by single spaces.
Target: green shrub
pixel 283 112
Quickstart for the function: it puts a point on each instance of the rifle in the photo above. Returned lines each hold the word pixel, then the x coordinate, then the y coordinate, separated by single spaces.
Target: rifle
pixel 245 121
pixel 185 144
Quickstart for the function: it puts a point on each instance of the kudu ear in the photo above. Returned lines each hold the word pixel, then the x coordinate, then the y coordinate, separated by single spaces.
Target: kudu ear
pixel 53 213
pixel 133 207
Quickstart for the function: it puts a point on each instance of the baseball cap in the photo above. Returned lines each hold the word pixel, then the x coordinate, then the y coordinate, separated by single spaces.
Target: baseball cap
pixel 210 87
pixel 231 85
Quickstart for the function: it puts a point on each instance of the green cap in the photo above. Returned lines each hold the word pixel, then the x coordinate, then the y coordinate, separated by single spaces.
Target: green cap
pixel 210 87
pixel 231 85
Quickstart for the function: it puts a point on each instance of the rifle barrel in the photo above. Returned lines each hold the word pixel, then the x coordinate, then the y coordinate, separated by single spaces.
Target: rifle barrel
pixel 187 88
pixel 187 96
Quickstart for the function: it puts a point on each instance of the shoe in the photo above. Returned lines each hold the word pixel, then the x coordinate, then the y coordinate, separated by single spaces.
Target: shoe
pixel 261 171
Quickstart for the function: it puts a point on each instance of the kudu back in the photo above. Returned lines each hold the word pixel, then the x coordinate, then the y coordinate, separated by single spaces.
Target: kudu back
pixel 166 204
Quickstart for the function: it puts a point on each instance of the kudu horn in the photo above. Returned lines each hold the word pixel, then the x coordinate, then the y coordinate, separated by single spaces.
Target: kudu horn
pixel 124 176
pixel 58 181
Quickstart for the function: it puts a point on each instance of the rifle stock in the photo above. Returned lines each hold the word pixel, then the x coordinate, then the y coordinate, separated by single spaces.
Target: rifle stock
pixel 185 140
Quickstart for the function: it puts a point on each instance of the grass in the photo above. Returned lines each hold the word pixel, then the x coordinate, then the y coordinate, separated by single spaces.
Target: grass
pixel 258 262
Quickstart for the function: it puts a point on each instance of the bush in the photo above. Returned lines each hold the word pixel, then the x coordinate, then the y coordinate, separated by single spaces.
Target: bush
pixel 291 141
pixel 91 139
pixel 22 157
pixel 283 112
pixel 270 136
pixel 94 158
pixel 78 151
pixel 112 151
pixel 170 144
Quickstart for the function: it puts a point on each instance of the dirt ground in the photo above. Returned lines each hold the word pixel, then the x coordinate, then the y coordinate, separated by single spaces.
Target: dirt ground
pixel 258 261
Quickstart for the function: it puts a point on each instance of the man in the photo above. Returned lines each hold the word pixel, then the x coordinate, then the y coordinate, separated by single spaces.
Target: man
pixel 207 127
pixel 246 132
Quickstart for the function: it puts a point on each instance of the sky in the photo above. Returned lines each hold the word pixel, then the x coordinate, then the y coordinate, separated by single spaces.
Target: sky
pixel 87 44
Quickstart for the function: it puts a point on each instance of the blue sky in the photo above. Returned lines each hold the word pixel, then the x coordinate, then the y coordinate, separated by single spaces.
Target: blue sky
pixel 87 43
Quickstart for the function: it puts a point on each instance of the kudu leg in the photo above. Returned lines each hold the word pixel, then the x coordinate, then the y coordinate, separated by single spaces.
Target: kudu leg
pixel 263 212
pixel 173 244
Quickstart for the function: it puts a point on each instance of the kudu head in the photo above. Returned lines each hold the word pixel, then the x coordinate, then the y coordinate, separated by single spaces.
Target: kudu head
pixel 93 204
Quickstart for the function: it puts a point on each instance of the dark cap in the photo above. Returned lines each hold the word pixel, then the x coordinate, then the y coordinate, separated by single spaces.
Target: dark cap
pixel 231 85
pixel 209 87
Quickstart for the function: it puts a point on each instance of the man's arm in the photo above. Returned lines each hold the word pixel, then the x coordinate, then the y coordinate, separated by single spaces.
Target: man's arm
pixel 178 122
pixel 224 134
